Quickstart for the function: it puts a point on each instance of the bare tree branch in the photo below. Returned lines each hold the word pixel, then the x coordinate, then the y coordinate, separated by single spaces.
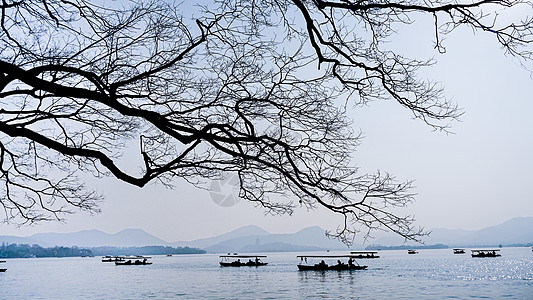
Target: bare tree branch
pixel 258 88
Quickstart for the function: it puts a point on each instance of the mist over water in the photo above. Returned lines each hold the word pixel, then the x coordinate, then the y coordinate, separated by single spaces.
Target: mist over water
pixel 431 274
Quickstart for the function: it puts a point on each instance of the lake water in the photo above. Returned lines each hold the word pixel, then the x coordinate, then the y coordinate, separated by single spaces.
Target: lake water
pixel 431 274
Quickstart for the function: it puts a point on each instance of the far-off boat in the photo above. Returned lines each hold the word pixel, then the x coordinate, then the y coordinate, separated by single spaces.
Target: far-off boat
pixel 486 253
pixel 458 251
pixel 412 251
pixel 2 270
pixel 337 264
pixel 235 261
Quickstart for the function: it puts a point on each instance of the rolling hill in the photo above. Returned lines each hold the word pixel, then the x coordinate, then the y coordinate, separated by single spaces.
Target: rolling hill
pixel 255 239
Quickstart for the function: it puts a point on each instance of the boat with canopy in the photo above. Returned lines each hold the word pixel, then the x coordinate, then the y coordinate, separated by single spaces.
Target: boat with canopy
pixel 328 262
pixel 134 261
pixel 486 253
pixel 109 258
pixel 364 254
pixel 235 260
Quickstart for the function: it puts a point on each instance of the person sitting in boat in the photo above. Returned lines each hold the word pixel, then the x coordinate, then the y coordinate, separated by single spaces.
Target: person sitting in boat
pixel 322 264
pixel 350 262
pixel 339 263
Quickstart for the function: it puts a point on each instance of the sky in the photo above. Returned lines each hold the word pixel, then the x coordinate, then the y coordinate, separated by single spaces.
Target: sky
pixel 476 177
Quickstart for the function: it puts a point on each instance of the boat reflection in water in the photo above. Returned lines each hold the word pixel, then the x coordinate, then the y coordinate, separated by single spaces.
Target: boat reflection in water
pixel 322 265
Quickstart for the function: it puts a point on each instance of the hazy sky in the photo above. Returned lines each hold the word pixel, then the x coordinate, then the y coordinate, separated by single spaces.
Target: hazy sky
pixel 477 177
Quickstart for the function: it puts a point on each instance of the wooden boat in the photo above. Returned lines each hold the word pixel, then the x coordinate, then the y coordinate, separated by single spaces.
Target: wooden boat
pixel 411 251
pixel 3 270
pixel 458 251
pixel 364 254
pixel 134 261
pixel 323 266
pixel 486 253
pixel 229 261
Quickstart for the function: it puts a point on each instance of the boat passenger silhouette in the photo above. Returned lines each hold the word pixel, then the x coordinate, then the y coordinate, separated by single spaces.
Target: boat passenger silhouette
pixel 322 264
pixel 350 262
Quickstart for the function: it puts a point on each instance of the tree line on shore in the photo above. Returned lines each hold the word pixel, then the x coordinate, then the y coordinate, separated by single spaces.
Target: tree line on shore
pixel 405 247
pixel 27 251
pixel 443 246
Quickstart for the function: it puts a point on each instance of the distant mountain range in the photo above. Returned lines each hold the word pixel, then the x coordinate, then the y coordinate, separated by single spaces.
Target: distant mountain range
pixel 89 238
pixel 244 239
pixel 255 239
pixel 513 231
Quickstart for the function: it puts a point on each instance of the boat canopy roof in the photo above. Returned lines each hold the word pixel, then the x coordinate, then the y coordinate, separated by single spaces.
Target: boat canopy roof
pixel 243 256
pixel 489 250
pixel 327 256
pixel 362 252
pixel 458 249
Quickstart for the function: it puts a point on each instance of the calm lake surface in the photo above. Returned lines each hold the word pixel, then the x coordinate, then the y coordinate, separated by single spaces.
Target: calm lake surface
pixel 431 274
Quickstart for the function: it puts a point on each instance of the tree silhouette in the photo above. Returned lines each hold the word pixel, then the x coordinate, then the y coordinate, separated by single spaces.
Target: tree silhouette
pixel 258 88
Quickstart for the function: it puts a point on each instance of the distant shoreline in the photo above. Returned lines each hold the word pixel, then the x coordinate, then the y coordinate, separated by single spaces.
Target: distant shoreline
pixel 442 246
pixel 33 251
